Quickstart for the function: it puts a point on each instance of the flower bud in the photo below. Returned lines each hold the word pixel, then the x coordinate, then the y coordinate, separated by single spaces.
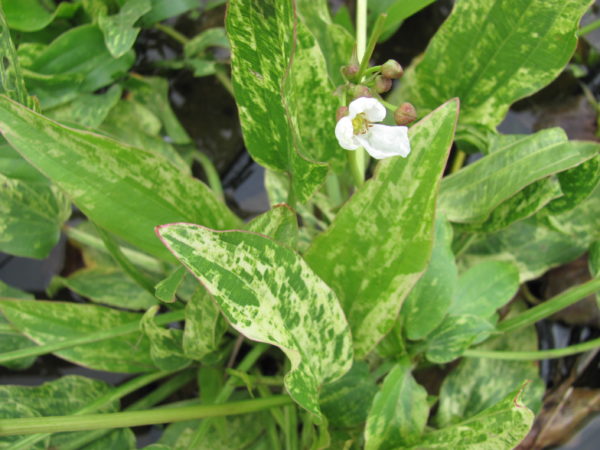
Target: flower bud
pixel 360 91
pixel 405 114
pixel 350 71
pixel 382 84
pixel 392 69
pixel 342 111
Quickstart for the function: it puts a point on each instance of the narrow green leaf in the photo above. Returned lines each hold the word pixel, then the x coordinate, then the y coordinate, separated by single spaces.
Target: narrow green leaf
pixel 167 288
pixel 380 241
pixel 503 425
pixel 268 293
pixel 428 302
pixel 51 322
pixel 165 343
pixel 490 53
pixel 399 412
pixel 164 9
pixel 107 285
pixel 471 194
pixel 125 190
pixel 484 288
pixel 204 326
pixel 119 32
pixel 279 223
pixel 31 216
pixel 33 15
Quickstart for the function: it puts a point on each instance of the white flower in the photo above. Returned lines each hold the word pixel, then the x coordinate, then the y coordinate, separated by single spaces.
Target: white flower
pixel 380 141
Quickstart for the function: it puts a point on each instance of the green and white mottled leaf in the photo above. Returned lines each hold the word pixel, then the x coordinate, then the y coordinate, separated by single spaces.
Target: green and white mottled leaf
pixel 380 241
pixel 346 401
pixel 491 53
pixel 107 285
pixel 427 304
pixel 165 343
pixel 275 62
pixel 75 62
pixel 456 334
pixel 269 294
pixel 204 326
pixel 471 194
pixel 530 244
pixel 87 110
pixel 484 288
pixel 31 216
pixel 33 15
pixel 479 383
pixel 166 289
pixel 10 338
pixel 399 413
pixel 125 190
pixel 279 223
pixel 50 322
pixel 576 184
pixel 501 426
pixel 119 31
pixel 164 9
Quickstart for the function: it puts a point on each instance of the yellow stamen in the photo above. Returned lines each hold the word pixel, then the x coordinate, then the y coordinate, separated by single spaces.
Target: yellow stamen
pixel 360 124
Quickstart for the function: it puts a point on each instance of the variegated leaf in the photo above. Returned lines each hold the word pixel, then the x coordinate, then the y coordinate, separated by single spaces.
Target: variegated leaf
pixel 126 190
pixel 269 294
pixel 490 53
pixel 379 243
pixel 284 96
pixel 279 223
pixel 119 32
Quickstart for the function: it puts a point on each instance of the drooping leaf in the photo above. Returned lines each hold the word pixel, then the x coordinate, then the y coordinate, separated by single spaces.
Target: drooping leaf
pixel 165 343
pixel 31 216
pixel 107 285
pixel 490 53
pixel 125 190
pixel 472 387
pixel 119 31
pixel 380 241
pixel 280 223
pixel 275 61
pixel 204 326
pixel 428 302
pixel 471 194
pixel 50 322
pixel 167 288
pixel 269 294
pixel 576 185
pixel 33 15
pixel 484 288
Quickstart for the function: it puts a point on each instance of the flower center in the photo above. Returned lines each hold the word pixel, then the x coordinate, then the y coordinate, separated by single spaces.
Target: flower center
pixel 360 124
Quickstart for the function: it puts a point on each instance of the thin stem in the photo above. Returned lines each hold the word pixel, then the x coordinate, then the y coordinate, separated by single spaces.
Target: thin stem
pixel 291 427
pixel 214 181
pixel 56 424
pixel 549 307
pixel 387 104
pixel 373 38
pixel 122 330
pixel 248 361
pixel 458 161
pixel 589 28
pixel 169 31
pixel 222 76
pixel 372 69
pixel 361 28
pixel 115 394
pixel 534 356
pixel 357 174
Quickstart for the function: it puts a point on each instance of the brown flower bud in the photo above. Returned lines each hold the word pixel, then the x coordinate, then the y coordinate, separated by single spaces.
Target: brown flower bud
pixel 360 91
pixel 382 84
pixel 342 111
pixel 392 69
pixel 405 114
pixel 350 71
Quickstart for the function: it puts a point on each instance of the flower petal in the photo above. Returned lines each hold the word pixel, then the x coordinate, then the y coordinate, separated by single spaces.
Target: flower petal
pixel 373 109
pixel 344 132
pixel 383 141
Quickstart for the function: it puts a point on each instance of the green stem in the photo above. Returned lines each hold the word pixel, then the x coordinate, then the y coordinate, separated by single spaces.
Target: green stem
pixel 387 104
pixel 139 259
pixel 373 38
pixel 361 28
pixel 357 174
pixel 291 427
pixel 458 161
pixel 128 267
pixel 122 330
pixel 169 31
pixel 222 76
pixel 372 69
pixel 589 28
pixel 534 356
pixel 549 307
pixel 9 427
pixel 248 361
pixel 115 394
pixel 214 181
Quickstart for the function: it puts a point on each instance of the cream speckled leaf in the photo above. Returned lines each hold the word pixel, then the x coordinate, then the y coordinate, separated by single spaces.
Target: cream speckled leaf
pixel 490 53
pixel 379 243
pixel 204 325
pixel 126 190
pixel 269 294
pixel 284 96
pixel 119 32
pixel 279 223
pixel 471 194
